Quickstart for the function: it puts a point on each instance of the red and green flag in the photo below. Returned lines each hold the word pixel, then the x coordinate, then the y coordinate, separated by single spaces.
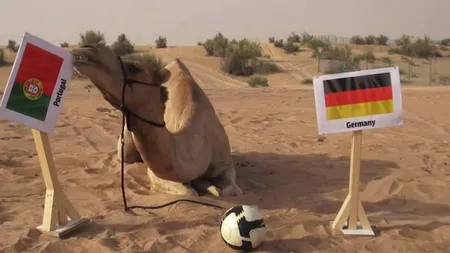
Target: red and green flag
pixel 35 82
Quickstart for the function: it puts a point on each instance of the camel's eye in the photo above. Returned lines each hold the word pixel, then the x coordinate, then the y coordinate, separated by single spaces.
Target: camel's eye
pixel 133 68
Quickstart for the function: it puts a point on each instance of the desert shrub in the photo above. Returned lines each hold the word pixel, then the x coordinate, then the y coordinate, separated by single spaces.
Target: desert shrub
pixel 240 57
pixel 420 47
pixel 294 38
pixel 264 67
pixel 306 37
pixel 314 44
pixel 123 45
pixel 341 66
pixel 337 53
pixel 148 60
pixel 369 40
pixel 2 57
pixel 92 38
pixel 443 48
pixel 12 46
pixel 258 80
pixel 209 47
pixel 290 47
pixel 64 44
pixel 272 39
pixel 404 40
pixel 307 81
pixel 220 45
pixel 279 43
pixel 161 42
pixel 382 40
pixel 445 42
pixel 357 40
pixel 199 43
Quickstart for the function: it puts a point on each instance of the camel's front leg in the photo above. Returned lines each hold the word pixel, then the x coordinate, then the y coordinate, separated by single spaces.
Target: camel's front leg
pixel 131 155
pixel 169 187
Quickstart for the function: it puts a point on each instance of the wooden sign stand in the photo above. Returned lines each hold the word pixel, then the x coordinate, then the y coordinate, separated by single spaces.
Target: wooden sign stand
pixel 57 208
pixel 352 219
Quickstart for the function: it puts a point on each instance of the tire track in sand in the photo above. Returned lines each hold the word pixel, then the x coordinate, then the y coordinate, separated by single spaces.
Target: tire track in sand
pixel 210 77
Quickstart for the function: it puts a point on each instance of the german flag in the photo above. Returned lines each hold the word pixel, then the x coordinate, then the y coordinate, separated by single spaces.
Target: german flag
pixel 358 96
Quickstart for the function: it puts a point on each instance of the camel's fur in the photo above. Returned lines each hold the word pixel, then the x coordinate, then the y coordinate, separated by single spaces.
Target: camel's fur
pixel 192 151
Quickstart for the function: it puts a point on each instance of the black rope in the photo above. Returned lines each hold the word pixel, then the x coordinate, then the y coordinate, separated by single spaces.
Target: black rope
pixel 125 111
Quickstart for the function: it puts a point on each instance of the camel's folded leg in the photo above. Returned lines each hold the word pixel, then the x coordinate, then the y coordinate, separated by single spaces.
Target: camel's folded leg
pixel 131 154
pixel 205 186
pixel 226 182
pixel 170 187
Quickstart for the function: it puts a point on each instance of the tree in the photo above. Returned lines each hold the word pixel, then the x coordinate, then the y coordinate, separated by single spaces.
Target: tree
pixel 357 40
pixel 92 38
pixel 161 42
pixel 404 40
pixel 123 45
pixel 382 40
pixel 12 46
pixel 369 40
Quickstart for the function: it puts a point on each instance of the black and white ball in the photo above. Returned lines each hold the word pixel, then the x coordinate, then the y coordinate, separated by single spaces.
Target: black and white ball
pixel 242 228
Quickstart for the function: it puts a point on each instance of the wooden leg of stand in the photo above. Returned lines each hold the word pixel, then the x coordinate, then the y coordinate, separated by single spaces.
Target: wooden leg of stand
pixel 57 208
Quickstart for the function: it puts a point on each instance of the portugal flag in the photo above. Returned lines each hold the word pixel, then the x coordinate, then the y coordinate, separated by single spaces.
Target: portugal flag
pixel 358 96
pixel 35 81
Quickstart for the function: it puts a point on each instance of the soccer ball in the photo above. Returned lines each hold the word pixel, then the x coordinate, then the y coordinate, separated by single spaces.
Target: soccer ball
pixel 242 228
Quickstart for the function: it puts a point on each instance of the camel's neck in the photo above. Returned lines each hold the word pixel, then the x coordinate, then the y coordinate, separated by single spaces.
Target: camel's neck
pixel 154 143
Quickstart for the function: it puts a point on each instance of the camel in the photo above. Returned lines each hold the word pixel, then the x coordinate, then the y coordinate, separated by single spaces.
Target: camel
pixel 191 153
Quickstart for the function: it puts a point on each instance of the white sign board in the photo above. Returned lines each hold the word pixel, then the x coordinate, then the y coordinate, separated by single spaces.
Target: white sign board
pixel 37 84
pixel 358 100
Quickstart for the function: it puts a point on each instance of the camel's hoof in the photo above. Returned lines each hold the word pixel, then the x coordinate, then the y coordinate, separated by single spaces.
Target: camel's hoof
pixel 230 191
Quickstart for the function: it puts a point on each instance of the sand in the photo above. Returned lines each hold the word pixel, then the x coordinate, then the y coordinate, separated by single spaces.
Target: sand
pixel 297 179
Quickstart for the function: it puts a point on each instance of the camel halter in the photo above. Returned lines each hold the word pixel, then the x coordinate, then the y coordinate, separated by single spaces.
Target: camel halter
pixel 125 115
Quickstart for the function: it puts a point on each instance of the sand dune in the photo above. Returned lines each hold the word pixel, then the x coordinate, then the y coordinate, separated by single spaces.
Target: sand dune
pixel 298 181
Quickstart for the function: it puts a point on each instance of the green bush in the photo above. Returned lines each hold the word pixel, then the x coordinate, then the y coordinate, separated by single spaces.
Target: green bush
pixel 220 45
pixel 272 39
pixel 64 44
pixel 258 80
pixel 123 45
pixel 420 47
pixel 199 43
pixel 12 46
pixel 240 57
pixel 357 40
pixel 209 47
pixel 306 37
pixel 92 38
pixel 2 57
pixel 161 42
pixel 369 40
pixel 148 60
pixel 295 38
pixel 445 42
pixel 289 47
pixel 278 43
pixel 264 67
pixel 382 40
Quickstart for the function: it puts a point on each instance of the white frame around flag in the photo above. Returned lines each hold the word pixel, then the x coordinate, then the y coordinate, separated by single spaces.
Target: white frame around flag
pixel 65 73
pixel 345 125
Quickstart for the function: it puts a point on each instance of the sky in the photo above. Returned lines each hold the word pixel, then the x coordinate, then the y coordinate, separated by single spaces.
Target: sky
pixel 186 22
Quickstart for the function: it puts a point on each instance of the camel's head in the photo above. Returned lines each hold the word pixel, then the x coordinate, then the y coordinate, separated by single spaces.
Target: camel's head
pixel 102 66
